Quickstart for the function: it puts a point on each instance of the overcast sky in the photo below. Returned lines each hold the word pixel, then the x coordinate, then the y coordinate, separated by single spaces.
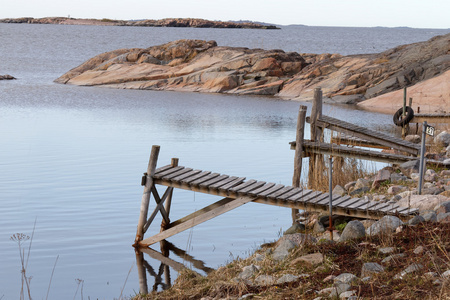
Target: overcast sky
pixel 389 13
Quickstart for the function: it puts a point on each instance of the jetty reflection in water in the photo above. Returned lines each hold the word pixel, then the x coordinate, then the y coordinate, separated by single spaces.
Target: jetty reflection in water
pixel 166 264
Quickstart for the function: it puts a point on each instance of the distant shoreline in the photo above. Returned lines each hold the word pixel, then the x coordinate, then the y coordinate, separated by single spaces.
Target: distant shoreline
pixel 168 22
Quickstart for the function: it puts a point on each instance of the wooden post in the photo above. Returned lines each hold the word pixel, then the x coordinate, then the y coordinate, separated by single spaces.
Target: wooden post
pixel 298 153
pixel 404 112
pixel 147 192
pixel 315 164
pixel 168 203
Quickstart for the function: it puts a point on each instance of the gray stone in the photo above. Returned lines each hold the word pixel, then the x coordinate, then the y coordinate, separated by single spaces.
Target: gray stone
pixel 392 257
pixel 433 190
pixel 422 202
pixel 395 189
pixel 360 183
pixel 339 190
pixel 413 138
pixel 383 175
pixel 287 278
pixel 442 139
pixel 430 175
pixel 282 250
pixel 431 275
pixel 415 177
pixel 443 218
pixel 418 250
pixel 446 274
pixel 298 238
pixel 318 227
pixel 446 162
pixel 396 178
pixel 349 185
pixel 410 269
pixel 429 216
pixel 442 207
pixel 409 167
pixel 387 250
pixel 295 228
pixel 354 229
pixel 416 220
pixel 358 191
pixel 258 257
pixel 347 278
pixel 370 268
pixel 386 224
pixel 265 280
pixel 347 294
pixel 339 288
pixel 248 272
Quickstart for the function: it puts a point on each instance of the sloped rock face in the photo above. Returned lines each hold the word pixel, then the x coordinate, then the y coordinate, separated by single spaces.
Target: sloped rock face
pixel 191 65
pixel 201 66
pixel 355 78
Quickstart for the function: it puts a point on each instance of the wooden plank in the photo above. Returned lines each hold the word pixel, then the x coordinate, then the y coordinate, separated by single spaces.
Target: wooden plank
pixel 292 193
pixel 163 168
pixel 203 179
pixel 367 134
pixel 303 193
pixel 175 174
pixel 341 200
pixel 167 172
pixel 190 179
pixel 242 186
pixel 262 189
pixel 232 184
pixel 271 190
pixel 359 204
pixel 254 186
pixel 326 201
pixel 186 175
pixel 212 181
pixel 222 182
pixel 198 217
pixel 280 192
pixel 348 202
pixel 311 196
pixel 319 198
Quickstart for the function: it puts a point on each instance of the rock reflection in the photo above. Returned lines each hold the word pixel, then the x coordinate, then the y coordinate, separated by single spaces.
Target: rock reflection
pixel 162 278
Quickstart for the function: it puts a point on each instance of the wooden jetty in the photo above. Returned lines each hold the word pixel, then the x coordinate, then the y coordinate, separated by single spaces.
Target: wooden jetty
pixel 237 191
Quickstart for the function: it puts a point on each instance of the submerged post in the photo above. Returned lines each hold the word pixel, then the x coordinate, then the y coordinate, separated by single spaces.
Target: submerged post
pixel 148 183
pixel 298 153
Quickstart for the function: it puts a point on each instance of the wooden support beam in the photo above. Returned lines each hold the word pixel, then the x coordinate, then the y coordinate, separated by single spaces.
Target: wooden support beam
pixel 196 218
pixel 159 207
pixel 147 191
pixel 165 260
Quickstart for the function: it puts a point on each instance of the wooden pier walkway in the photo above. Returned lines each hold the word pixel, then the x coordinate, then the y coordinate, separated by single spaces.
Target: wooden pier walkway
pixel 239 191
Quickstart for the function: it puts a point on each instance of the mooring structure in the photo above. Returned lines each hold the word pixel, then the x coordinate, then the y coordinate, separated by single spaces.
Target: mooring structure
pixel 236 191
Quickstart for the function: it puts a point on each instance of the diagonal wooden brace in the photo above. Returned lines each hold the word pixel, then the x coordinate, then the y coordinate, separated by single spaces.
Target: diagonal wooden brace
pixel 159 207
pixel 198 217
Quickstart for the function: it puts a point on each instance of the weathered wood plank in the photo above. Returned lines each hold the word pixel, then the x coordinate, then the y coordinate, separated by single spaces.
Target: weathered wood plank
pixel 232 184
pixel 252 187
pixel 302 194
pixel 242 185
pixel 280 192
pixel 214 180
pixel 186 175
pixel 196 218
pixel 310 197
pixel 348 202
pixel 222 182
pixel 178 267
pixel 203 179
pixel 262 189
pixel 167 172
pixel 163 168
pixel 271 190
pixel 175 174
pixel 190 179
pixel 292 193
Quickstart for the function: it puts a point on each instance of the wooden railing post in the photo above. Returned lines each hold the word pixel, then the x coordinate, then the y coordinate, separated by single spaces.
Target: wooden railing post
pixel 147 192
pixel 301 119
pixel 315 164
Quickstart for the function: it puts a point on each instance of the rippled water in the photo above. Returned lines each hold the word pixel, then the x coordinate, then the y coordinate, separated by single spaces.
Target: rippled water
pixel 72 157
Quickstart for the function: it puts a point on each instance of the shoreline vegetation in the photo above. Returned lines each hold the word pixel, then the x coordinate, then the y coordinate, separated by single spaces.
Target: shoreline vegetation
pixel 370 81
pixel 167 22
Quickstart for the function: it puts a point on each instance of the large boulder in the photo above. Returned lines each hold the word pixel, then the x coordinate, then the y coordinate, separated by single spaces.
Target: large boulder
pixel 354 229
pixel 386 224
pixel 422 202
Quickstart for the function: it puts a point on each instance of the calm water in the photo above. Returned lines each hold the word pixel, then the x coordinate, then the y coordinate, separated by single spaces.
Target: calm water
pixel 71 157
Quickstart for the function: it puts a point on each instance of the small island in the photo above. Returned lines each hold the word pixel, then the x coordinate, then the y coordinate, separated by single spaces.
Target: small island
pixel 167 22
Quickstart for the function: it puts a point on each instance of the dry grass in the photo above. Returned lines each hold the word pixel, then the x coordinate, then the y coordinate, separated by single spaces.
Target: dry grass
pixel 338 258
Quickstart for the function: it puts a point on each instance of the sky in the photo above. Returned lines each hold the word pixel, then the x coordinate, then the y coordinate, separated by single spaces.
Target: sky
pixel 357 13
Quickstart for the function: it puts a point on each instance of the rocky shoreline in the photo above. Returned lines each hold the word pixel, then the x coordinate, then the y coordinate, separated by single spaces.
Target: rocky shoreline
pixel 203 66
pixel 168 22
